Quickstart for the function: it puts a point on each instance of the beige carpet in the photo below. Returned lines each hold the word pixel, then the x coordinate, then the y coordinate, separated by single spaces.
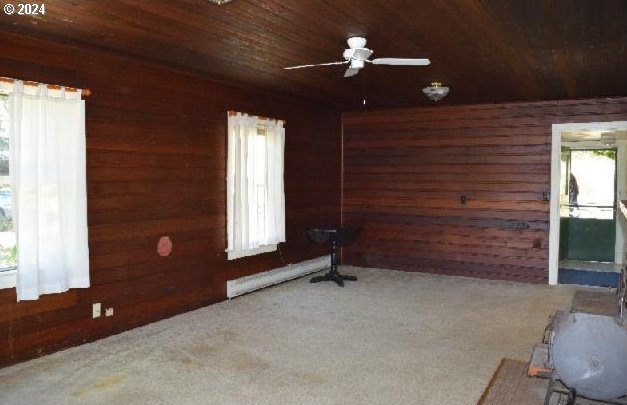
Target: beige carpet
pixel 390 338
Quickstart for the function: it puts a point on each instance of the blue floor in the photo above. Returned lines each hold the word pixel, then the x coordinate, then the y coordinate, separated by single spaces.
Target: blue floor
pixel 585 277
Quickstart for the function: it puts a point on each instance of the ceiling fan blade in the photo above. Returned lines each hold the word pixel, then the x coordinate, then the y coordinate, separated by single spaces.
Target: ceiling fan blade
pixel 401 61
pixel 317 64
pixel 351 72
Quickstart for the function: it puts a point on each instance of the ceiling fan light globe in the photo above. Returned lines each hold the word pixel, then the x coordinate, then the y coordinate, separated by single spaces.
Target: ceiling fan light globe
pixel 361 53
pixel 435 92
pixel 357 64
pixel 351 72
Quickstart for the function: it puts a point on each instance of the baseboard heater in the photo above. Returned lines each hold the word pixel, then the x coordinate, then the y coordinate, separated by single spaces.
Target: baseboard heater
pixel 257 281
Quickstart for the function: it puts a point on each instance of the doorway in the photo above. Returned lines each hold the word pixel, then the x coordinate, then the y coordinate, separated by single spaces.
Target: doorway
pixel 587 231
pixel 587 213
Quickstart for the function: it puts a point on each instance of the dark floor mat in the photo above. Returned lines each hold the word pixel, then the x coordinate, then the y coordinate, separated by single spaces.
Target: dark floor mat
pixel 585 277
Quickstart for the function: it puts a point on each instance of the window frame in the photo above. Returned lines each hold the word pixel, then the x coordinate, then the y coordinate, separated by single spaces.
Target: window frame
pixel 8 275
pixel 233 255
pixel 251 252
pixel 8 278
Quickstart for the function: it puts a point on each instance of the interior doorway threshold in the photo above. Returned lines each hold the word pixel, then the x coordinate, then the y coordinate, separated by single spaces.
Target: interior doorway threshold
pixel 589 266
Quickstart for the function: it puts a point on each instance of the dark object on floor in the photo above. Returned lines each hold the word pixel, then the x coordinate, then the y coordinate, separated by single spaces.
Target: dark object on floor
pixel 336 237
pixel 555 392
pixel 589 354
pixel 595 302
pixel 584 351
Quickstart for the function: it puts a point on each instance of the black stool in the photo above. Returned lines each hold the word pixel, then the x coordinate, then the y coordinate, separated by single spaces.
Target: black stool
pixel 337 237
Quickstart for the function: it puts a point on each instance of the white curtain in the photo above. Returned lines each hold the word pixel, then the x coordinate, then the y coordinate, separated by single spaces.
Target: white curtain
pixel 47 168
pixel 255 193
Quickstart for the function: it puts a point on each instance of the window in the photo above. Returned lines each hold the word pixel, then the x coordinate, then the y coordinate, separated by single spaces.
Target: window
pixel 255 194
pixel 46 196
pixel 8 248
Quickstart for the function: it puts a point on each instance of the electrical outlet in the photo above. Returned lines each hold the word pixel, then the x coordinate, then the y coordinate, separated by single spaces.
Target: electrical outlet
pixel 109 312
pixel 96 310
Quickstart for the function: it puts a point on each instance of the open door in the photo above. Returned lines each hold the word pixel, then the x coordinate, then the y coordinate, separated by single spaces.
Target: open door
pixel 588 216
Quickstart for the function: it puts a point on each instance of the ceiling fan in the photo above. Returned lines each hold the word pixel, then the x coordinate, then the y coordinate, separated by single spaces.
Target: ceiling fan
pixel 356 56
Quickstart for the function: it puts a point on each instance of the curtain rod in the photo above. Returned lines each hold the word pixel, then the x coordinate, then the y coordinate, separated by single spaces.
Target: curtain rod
pixel 234 113
pixel 84 93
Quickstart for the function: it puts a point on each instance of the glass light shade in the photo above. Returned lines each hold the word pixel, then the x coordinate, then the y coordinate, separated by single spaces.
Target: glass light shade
pixel 436 91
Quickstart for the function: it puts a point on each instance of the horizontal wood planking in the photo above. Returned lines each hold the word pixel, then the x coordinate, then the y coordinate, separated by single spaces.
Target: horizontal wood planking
pixel 405 171
pixel 156 158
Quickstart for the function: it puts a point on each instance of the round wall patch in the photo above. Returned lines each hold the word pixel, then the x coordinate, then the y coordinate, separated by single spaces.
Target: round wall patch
pixel 164 247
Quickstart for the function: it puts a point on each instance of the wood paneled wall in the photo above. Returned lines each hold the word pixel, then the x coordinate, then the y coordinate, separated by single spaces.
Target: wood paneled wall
pixel 406 170
pixel 156 166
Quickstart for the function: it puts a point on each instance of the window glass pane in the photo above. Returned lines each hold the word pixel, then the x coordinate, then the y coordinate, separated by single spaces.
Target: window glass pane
pixel 8 250
pixel 593 171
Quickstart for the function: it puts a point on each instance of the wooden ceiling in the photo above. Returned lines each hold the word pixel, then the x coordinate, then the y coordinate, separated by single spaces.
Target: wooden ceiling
pixel 485 50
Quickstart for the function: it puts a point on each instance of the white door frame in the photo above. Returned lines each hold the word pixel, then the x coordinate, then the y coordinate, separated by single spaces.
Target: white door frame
pixel 556 148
